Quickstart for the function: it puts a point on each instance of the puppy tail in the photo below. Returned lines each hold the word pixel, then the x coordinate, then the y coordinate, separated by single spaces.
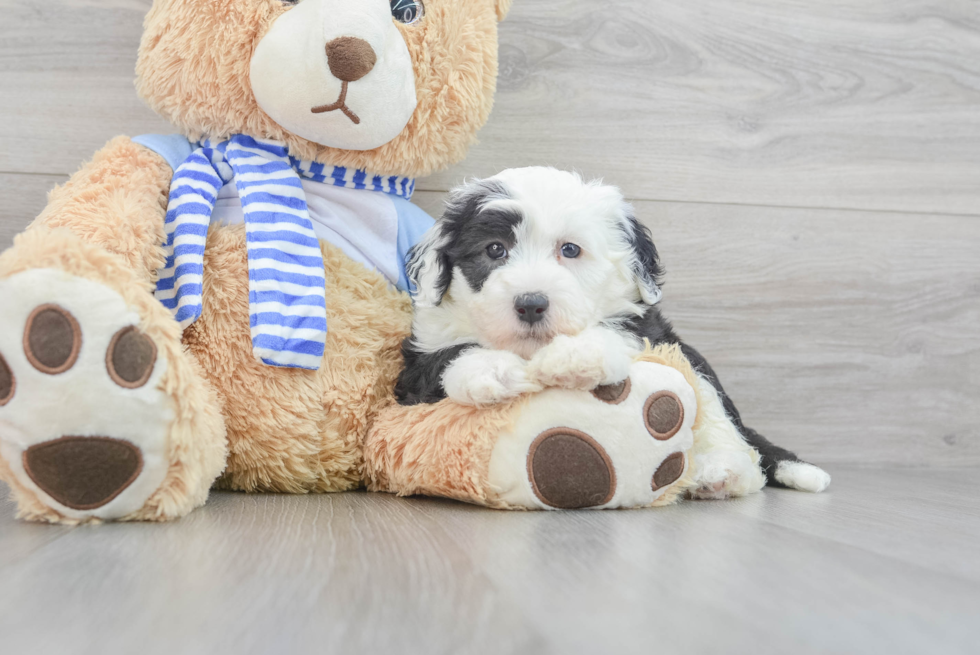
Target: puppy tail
pixel 783 468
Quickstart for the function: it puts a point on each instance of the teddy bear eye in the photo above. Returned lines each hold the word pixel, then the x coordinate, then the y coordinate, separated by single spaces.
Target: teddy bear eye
pixel 407 11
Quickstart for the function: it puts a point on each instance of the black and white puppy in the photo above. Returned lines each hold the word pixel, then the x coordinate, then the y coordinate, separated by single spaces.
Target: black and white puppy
pixel 533 279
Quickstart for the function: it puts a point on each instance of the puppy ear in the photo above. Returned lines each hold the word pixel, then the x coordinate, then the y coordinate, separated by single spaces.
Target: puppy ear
pixel 503 6
pixel 428 267
pixel 430 262
pixel 645 263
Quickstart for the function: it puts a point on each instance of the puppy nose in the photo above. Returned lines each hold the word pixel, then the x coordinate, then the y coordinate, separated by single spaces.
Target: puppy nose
pixel 531 307
pixel 350 58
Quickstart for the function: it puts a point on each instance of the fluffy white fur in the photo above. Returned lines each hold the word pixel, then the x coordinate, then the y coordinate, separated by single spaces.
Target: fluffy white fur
pixel 803 476
pixel 575 346
pixel 484 377
pixel 726 465
pixel 558 208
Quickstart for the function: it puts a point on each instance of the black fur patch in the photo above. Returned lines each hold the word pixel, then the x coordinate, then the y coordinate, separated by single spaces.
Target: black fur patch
pixel 648 267
pixel 655 327
pixel 421 379
pixel 465 239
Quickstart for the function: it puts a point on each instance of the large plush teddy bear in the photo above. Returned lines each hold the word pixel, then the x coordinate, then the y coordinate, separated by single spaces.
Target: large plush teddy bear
pixel 225 308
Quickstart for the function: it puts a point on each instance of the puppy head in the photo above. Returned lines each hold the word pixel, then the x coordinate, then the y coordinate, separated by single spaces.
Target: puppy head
pixel 398 87
pixel 529 254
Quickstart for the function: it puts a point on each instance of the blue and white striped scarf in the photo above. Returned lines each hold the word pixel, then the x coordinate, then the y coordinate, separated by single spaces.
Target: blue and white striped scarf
pixel 287 304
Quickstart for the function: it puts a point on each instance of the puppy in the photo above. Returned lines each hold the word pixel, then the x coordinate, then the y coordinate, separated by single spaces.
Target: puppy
pixel 534 279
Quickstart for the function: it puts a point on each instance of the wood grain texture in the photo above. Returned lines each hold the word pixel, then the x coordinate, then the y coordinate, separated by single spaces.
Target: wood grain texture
pixel 845 336
pixel 861 568
pixel 834 104
pixel 872 104
pixel 67 69
pixel 22 197
pixel 18 540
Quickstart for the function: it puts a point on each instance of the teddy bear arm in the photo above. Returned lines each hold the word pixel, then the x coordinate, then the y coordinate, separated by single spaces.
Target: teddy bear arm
pixel 118 202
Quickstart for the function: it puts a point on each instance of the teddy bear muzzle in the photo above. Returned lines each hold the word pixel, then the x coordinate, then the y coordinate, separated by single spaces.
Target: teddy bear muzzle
pixel 350 58
pixel 355 89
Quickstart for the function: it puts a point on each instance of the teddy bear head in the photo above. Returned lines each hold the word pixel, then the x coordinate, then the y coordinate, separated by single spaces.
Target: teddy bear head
pixel 397 87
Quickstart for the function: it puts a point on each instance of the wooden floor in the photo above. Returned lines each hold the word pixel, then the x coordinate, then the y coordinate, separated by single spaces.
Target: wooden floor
pixel 811 174
pixel 885 562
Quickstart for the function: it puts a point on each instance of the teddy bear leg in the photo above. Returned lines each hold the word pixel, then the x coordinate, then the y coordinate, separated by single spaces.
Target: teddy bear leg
pixel 102 413
pixel 623 445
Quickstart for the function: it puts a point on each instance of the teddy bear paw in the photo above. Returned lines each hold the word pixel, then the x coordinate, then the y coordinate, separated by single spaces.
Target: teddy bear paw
pixel 620 445
pixel 83 422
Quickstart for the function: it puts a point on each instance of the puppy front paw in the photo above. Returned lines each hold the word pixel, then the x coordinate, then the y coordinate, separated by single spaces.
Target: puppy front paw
pixel 487 377
pixel 584 361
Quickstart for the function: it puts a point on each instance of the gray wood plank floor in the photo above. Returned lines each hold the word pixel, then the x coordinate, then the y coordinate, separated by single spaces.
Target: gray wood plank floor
pixel 882 563
pixel 811 174
pixel 846 335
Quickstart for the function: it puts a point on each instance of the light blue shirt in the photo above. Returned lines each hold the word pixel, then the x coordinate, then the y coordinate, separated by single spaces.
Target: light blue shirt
pixel 375 228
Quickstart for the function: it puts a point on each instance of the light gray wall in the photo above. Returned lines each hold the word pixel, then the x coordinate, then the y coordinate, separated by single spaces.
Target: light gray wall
pixel 811 173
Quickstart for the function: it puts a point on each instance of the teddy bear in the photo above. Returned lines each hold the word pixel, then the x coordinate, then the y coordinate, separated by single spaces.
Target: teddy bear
pixel 224 308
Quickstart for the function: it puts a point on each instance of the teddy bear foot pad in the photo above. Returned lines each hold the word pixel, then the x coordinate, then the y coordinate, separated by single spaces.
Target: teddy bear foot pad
pixel 618 446
pixel 83 424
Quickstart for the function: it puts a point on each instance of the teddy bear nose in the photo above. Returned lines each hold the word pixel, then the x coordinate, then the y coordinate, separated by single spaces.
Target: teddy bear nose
pixel 350 58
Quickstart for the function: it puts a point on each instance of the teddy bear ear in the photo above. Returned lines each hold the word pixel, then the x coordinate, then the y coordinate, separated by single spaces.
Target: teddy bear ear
pixel 503 6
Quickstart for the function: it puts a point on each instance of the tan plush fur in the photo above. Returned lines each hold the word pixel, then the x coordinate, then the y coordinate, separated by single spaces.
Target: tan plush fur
pixel 503 7
pixel 118 202
pixel 197 435
pixel 287 430
pixel 193 68
pixel 292 430
pixel 262 428
pixel 441 449
pixel 444 449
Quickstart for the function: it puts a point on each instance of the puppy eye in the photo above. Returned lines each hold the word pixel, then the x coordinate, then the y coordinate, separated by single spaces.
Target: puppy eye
pixel 496 251
pixel 570 250
pixel 407 11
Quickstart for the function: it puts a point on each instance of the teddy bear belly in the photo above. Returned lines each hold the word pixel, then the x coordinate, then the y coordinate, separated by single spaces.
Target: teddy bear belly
pixel 293 430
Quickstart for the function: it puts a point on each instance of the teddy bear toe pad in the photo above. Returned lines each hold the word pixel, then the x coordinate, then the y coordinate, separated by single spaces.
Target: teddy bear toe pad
pixel 617 446
pixel 7 382
pixel 569 470
pixel 83 424
pixel 83 473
